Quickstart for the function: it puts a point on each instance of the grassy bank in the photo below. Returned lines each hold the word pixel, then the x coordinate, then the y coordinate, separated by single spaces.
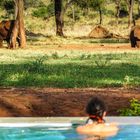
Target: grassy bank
pixel 25 68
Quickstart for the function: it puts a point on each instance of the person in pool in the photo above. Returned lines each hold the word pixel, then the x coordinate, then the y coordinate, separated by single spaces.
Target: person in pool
pixel 95 124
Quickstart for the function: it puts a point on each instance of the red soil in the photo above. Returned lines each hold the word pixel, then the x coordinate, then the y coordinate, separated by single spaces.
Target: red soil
pixel 60 102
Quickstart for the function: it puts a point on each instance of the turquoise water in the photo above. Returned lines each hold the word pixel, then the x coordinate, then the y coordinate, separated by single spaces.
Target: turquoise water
pixel 127 132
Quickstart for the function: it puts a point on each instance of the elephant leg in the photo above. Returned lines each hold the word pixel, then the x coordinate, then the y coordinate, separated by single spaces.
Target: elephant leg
pixel 133 43
pixel 8 42
pixel 18 40
pixel 1 43
pixel 132 39
pixel 138 44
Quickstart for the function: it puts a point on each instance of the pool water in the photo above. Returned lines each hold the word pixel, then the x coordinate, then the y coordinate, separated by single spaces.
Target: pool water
pixel 127 132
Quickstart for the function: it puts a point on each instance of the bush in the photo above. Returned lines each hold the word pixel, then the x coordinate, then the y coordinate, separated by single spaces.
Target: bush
pixel 44 12
pixel 108 12
pixel 76 14
pixel 123 10
pixel 37 66
pixel 8 5
pixel 133 110
pixel 33 3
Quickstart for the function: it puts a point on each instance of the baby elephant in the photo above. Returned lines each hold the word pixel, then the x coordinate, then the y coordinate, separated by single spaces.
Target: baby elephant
pixel 6 27
pixel 135 37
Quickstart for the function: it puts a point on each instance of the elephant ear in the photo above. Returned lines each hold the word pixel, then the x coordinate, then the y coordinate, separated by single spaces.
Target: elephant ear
pixel 3 32
pixel 137 32
pixel 7 25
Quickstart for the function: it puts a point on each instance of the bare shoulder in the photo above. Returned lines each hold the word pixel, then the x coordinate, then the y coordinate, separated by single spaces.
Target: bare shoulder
pixel 110 127
pixel 106 129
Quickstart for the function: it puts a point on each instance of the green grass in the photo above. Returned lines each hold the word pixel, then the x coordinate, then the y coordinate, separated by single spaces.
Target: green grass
pixel 24 68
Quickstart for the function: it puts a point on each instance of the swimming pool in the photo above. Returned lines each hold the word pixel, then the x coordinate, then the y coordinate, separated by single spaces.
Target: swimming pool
pixel 58 131
pixel 127 132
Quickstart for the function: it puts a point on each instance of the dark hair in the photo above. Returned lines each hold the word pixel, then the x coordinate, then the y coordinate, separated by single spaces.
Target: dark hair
pixel 95 107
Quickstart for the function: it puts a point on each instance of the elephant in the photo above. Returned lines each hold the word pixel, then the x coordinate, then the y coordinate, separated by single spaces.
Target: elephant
pixel 135 36
pixel 6 27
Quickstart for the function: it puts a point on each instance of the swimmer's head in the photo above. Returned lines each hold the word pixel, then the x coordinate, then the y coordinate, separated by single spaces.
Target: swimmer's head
pixel 96 107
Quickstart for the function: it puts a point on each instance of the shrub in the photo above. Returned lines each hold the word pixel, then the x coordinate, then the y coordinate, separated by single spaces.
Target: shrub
pixel 133 110
pixel 33 3
pixel 123 10
pixel 102 61
pixel 108 12
pixel 76 14
pixel 37 65
pixel 55 55
pixel 7 5
pixel 44 12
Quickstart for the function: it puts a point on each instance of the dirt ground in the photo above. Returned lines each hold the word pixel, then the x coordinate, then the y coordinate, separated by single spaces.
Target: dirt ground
pixel 86 48
pixel 60 102
pixel 35 102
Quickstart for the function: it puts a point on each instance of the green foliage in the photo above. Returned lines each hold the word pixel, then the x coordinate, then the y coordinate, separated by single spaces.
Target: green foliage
pixel 37 65
pixel 133 110
pixel 108 12
pixel 82 3
pixel 76 14
pixel 130 81
pixel 44 12
pixel 33 3
pixel 55 55
pixel 103 60
pixel 123 5
pixel 96 4
pixel 1 3
pixel 8 5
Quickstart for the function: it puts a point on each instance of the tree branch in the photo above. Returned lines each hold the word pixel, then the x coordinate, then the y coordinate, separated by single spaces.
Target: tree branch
pixel 68 4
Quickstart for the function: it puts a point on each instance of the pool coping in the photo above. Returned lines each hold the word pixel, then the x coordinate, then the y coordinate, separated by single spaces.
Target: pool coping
pixel 73 120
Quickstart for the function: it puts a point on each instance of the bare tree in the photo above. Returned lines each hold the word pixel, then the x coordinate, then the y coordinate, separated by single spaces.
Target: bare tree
pixel 98 5
pixel 15 29
pixel 21 24
pixel 68 4
pixel 18 28
pixel 117 2
pixel 139 7
pixel 130 4
pixel 58 17
pixel 100 13
pixel 59 14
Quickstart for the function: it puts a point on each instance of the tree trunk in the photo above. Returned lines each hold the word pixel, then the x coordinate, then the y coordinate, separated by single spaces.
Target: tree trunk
pixel 59 18
pixel 138 7
pixel 59 15
pixel 21 24
pixel 117 10
pixel 15 29
pixel 18 28
pixel 16 9
pixel 130 4
pixel 14 35
pixel 68 4
pixel 73 13
pixel 87 8
pixel 100 13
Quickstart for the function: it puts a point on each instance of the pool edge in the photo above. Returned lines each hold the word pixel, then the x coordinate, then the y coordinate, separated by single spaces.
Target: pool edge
pixel 120 120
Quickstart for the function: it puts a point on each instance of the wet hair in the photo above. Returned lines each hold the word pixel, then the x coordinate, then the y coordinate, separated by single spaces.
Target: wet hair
pixel 96 107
